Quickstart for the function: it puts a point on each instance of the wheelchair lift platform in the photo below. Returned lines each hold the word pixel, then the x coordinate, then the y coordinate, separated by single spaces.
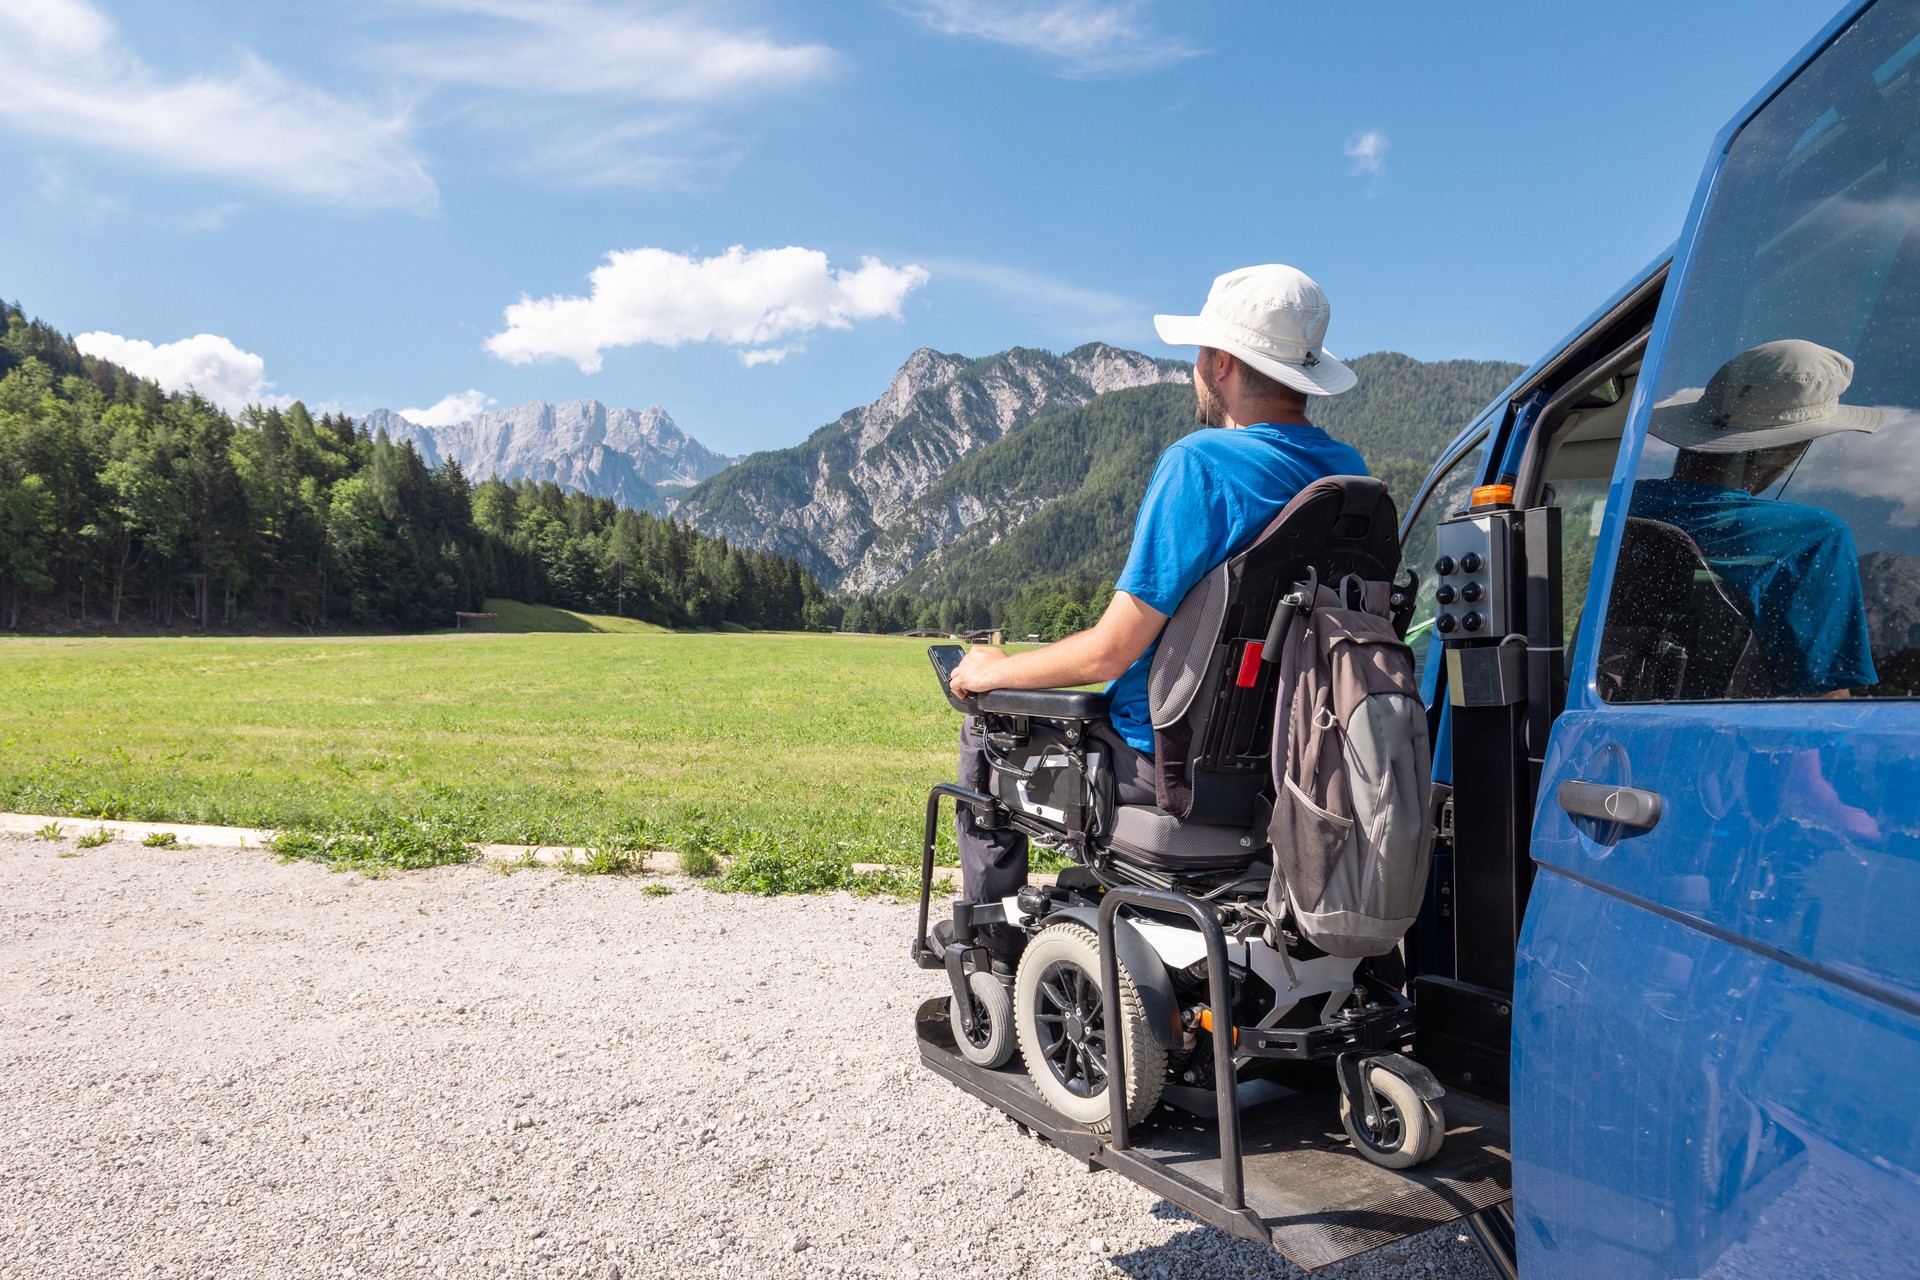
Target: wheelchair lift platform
pixel 1307 1192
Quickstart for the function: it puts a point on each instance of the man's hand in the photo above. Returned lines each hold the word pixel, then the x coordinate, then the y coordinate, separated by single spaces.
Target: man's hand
pixel 1102 652
pixel 975 672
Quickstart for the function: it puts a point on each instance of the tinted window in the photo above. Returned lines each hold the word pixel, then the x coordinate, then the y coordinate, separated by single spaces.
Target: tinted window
pixel 1447 497
pixel 1583 504
pixel 1772 546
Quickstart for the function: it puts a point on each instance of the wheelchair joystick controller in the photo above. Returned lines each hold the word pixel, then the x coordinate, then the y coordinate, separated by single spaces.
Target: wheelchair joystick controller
pixel 945 658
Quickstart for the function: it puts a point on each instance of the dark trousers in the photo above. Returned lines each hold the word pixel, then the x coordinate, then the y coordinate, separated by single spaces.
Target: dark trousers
pixel 993 864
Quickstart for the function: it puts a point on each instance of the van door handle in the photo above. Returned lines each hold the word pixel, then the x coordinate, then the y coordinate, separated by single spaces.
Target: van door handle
pixel 1628 806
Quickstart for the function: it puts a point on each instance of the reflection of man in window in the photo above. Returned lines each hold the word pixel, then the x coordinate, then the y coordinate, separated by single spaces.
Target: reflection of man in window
pixel 1792 567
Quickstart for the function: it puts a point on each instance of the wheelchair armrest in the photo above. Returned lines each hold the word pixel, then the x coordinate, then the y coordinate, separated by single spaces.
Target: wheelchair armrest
pixel 1045 704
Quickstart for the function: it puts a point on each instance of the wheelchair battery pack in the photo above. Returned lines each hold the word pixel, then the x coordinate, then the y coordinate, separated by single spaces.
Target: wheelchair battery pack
pixel 1046 779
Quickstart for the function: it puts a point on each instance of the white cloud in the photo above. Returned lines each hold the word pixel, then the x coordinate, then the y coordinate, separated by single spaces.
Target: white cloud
pixel 206 363
pixel 66 74
pixel 1368 152
pixel 454 407
pixel 740 298
pixel 594 92
pixel 583 49
pixel 1081 37
pixel 767 355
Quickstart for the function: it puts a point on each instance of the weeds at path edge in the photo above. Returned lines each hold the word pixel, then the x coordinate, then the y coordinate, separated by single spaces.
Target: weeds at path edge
pixel 383 845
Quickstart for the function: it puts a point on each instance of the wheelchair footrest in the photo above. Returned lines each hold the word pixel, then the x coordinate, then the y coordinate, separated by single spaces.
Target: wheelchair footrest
pixel 1390 1028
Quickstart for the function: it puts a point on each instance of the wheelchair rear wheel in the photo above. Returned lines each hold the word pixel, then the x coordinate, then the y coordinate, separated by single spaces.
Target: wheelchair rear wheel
pixel 1061 1025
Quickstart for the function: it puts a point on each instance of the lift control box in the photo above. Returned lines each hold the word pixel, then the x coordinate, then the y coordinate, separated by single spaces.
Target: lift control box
pixel 1471 578
pixel 1476 575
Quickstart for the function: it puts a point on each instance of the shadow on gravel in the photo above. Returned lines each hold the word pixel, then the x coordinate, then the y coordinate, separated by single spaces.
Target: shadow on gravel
pixel 1203 1251
pixel 1210 1252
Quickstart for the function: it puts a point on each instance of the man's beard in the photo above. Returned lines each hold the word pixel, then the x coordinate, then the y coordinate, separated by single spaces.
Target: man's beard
pixel 1209 410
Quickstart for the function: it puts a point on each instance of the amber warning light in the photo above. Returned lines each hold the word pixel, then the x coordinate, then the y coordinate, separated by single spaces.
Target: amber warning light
pixel 1493 495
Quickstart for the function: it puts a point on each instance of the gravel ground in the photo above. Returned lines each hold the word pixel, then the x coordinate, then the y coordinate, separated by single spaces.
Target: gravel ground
pixel 212 1064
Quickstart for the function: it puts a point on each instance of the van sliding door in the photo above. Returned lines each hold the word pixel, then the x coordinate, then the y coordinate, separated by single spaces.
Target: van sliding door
pixel 1717 1014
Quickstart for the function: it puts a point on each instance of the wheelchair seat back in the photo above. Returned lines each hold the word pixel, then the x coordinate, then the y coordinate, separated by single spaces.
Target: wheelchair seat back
pixel 1211 693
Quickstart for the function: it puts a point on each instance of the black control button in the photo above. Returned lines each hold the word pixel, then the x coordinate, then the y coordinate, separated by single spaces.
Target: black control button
pixel 1471 622
pixel 1444 623
pixel 1471 562
pixel 1443 566
pixel 1444 595
pixel 1471 592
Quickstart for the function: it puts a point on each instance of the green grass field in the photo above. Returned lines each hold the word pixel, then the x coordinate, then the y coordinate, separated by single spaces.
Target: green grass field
pixel 808 750
pixel 511 615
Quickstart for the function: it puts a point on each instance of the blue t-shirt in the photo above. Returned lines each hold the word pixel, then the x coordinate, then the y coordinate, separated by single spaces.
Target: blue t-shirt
pixel 1794 569
pixel 1210 494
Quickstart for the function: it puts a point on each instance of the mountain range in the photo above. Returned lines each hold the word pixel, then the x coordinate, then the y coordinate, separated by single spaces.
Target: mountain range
pixel 968 477
pixel 979 477
pixel 845 501
pixel 637 457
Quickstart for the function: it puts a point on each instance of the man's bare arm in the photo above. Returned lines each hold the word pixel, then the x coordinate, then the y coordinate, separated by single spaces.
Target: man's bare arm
pixel 1101 652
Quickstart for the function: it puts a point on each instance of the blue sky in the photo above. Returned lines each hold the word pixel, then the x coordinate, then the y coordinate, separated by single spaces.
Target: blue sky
pixel 387 203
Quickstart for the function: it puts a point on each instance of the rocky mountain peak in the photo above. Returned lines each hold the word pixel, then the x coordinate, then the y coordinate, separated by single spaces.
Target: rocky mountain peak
pixel 1106 368
pixel 923 371
pixel 827 500
pixel 623 454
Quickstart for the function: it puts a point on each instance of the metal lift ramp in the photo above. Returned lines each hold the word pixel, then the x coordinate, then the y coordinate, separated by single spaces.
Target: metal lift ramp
pixel 1306 1191
pixel 1278 1170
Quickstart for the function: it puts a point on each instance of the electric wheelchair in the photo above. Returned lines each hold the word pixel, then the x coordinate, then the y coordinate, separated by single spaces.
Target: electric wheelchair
pixel 1152 892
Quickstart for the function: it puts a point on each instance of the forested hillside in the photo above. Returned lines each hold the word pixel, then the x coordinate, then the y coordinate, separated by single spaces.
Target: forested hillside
pixel 1407 408
pixel 1060 495
pixel 122 504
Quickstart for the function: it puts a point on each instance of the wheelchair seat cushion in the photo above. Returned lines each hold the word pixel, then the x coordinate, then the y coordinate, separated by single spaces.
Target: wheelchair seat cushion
pixel 1151 837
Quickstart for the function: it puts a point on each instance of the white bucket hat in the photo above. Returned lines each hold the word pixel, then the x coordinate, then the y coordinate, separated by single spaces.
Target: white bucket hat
pixel 1777 393
pixel 1273 317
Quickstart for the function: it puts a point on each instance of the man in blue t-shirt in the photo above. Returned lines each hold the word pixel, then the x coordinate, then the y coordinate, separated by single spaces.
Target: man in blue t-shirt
pixel 1261 358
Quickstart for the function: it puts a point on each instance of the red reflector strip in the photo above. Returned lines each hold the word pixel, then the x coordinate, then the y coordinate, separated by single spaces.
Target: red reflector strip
pixel 1250 664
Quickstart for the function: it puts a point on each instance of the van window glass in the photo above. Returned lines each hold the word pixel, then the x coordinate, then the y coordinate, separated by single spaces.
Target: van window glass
pixel 1418 550
pixel 1583 504
pixel 1772 542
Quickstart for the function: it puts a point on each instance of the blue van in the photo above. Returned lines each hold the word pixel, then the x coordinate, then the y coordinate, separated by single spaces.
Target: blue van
pixel 1667 973
pixel 1685 840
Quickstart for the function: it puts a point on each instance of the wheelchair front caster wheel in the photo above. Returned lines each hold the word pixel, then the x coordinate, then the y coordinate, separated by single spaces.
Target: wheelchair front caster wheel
pixel 1410 1130
pixel 990 1044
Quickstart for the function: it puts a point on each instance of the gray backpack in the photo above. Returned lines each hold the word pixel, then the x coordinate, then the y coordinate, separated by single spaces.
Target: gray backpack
pixel 1351 772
